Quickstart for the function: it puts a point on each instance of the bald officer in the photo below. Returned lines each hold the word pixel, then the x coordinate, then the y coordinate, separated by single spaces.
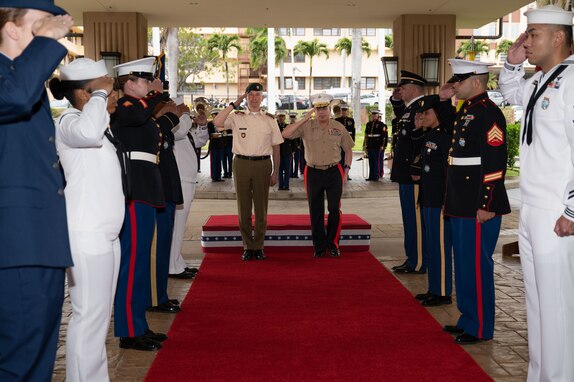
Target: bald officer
pixel 256 138
pixel 324 138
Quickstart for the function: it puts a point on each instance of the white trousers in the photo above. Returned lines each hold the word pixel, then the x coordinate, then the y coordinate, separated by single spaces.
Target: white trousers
pixel 92 283
pixel 176 262
pixel 548 268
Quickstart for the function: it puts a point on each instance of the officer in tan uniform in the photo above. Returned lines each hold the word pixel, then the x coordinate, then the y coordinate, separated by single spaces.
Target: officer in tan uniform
pixel 256 138
pixel 324 138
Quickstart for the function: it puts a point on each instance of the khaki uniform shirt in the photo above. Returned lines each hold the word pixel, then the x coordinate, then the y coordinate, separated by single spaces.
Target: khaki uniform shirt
pixel 323 145
pixel 254 134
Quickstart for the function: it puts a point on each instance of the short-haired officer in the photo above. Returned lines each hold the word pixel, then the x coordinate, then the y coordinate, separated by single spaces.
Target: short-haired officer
pixel 286 149
pixel 256 138
pixel 324 138
pixel 407 147
pixel 349 124
pixel 475 197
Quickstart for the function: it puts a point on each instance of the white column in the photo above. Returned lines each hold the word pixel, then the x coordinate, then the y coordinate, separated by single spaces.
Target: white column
pixel 357 55
pixel 172 60
pixel 271 86
pixel 381 81
pixel 155 35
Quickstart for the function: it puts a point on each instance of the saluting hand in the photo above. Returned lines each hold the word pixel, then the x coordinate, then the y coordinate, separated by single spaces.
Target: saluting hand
pixel 54 27
pixel 155 85
pixel 446 92
pixel 517 52
pixel 103 83
pixel 564 227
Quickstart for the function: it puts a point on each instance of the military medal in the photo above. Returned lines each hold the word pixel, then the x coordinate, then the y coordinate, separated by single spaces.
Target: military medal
pixel 165 145
pixel 545 103
pixel 403 132
pixel 427 168
pixel 461 142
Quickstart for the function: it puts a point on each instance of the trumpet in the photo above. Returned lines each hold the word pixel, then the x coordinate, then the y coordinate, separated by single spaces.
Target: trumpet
pixel 202 104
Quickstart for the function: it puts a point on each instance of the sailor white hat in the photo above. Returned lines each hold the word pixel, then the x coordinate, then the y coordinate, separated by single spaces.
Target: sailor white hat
pixel 83 69
pixel 549 14
pixel 144 68
pixel 462 69
pixel 321 100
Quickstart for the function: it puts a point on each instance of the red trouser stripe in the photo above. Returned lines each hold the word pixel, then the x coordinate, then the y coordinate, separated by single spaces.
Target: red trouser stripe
pixel 305 181
pixel 479 279
pixel 338 234
pixel 131 271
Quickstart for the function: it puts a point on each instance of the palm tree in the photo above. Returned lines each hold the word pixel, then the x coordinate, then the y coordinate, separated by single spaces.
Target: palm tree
pixel 311 48
pixel 470 46
pixel 389 43
pixel 343 46
pixel 258 50
pixel 558 3
pixel 224 43
pixel 502 48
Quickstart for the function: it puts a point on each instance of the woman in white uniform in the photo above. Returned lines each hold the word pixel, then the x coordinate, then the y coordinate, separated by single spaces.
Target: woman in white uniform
pixel 95 211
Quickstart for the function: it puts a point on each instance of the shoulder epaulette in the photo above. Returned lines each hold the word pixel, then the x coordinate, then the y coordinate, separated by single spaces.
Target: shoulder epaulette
pixel 270 115
pixel 240 112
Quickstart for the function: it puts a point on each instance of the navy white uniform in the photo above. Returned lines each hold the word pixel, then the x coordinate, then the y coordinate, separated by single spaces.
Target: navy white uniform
pixel 475 180
pixel 407 146
pixel 187 139
pixel 33 229
pixel 547 193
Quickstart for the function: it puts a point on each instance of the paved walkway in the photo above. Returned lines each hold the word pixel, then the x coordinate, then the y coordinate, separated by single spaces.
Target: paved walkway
pixel 504 358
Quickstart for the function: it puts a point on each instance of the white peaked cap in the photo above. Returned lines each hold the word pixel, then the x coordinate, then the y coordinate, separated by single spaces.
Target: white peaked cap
pixel 550 14
pixel 83 69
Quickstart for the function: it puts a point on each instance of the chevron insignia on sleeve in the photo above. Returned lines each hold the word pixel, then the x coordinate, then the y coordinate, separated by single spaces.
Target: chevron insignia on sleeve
pixel 144 104
pixel 493 176
pixel 495 136
pixel 127 104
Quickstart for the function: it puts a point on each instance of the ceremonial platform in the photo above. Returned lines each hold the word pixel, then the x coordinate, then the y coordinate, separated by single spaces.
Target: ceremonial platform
pixel 285 233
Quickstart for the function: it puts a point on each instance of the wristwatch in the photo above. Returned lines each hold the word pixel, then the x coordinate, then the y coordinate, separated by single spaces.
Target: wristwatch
pixel 232 104
pixel 347 166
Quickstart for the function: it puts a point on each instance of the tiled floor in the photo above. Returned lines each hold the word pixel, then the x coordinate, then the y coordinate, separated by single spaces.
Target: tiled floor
pixel 504 358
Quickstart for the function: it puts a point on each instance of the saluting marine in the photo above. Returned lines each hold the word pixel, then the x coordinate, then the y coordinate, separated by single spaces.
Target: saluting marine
pixel 286 149
pixel 475 197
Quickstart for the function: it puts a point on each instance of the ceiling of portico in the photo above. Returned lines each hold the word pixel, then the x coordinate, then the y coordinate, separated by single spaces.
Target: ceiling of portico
pixel 295 13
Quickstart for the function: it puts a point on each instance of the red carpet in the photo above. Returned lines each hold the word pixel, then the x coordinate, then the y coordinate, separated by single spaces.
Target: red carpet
pixel 296 318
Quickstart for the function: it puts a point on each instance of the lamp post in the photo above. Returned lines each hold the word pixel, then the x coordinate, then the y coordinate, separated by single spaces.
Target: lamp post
pixel 430 62
pixel 391 68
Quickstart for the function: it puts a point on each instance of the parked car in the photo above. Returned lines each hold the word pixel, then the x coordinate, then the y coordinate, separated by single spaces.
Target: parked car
pixel 518 112
pixel 497 98
pixel 287 102
pixel 369 100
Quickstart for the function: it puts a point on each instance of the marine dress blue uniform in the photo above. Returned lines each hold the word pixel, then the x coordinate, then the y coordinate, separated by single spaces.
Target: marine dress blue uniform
pixel 475 180
pixel 33 228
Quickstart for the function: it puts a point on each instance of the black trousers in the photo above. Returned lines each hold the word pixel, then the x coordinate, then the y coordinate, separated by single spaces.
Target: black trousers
pixel 319 183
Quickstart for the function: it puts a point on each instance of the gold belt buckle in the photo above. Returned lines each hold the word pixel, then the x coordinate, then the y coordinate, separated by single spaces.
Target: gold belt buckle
pixel 450 161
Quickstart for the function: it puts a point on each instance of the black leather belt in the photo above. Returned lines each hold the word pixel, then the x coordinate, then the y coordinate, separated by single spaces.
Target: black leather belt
pixel 324 167
pixel 263 157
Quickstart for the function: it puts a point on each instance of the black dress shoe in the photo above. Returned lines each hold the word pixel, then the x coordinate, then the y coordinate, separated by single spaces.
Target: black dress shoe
pixel 334 252
pixel 423 296
pixel 437 300
pixel 173 301
pixel 319 253
pixel 139 343
pixel 192 270
pixel 247 255
pixel 467 339
pixel 410 271
pixel 166 307
pixel 258 254
pixel 403 265
pixel 185 275
pixel 452 329
pixel 157 337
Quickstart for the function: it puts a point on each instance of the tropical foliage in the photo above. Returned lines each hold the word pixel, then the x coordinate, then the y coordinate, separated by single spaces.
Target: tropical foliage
pixel 194 57
pixel 223 44
pixel 312 49
pixel 502 47
pixel 345 44
pixel 470 46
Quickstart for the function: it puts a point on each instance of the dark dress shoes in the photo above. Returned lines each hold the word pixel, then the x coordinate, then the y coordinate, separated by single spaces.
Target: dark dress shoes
pixel 434 300
pixel 258 254
pixel 185 275
pixel 334 252
pixel 191 270
pixel 157 337
pixel 403 265
pixel 166 307
pixel 453 329
pixel 319 253
pixel 467 339
pixel 139 343
pixel 174 301
pixel 423 296
pixel 409 271
pixel 247 255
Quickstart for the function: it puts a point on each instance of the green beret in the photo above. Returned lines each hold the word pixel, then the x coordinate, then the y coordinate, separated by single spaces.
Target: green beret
pixel 254 86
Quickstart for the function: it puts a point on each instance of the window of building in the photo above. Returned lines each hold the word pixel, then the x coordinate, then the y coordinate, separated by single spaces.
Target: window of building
pixel 298 31
pixel 368 83
pixel 320 83
pixel 299 58
pixel 365 32
pixel 289 83
pixel 283 31
pixel 326 31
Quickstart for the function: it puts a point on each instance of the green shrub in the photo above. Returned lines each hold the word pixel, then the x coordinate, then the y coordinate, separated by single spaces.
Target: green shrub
pixel 513 143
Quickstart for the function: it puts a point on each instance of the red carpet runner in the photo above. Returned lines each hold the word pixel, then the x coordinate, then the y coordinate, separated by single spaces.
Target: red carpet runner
pixel 297 318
